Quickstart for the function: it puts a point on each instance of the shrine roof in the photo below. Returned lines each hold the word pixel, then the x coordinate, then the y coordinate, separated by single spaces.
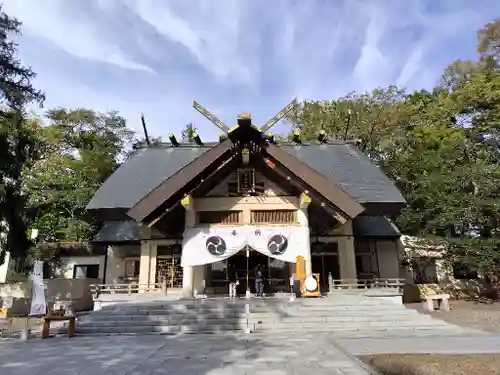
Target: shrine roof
pixel 341 163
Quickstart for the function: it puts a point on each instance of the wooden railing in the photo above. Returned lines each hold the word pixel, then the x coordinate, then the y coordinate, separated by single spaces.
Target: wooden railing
pixel 376 283
pixel 98 289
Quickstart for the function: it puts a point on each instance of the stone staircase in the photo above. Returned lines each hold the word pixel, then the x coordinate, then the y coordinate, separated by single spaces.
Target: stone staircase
pixel 341 314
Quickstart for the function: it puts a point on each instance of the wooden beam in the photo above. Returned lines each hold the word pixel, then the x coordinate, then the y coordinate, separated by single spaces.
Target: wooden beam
pixel 342 219
pixel 330 191
pixel 218 175
pixel 172 185
pixel 334 210
pixel 152 223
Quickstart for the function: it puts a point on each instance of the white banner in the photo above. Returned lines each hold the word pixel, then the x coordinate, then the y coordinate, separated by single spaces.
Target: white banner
pixel 210 245
pixel 38 302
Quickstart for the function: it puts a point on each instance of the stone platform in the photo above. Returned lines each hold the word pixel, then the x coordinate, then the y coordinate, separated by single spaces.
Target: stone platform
pixel 220 354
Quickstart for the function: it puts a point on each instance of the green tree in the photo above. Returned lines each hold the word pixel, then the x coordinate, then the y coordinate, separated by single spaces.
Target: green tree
pixel 187 134
pixel 448 165
pixel 488 45
pixel 19 142
pixel 85 147
pixel 370 117
pixel 441 147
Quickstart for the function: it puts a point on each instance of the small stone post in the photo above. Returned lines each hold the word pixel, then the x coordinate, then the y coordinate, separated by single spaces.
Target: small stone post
pixel 164 286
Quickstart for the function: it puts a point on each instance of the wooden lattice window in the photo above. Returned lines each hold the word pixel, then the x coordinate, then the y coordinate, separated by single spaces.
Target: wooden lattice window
pixel 219 217
pixel 274 217
pixel 169 270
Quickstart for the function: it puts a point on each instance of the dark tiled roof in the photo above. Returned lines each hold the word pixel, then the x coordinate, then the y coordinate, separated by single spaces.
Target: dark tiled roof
pixel 141 173
pixel 374 226
pixel 347 166
pixel 341 163
pixel 123 231
pixel 119 231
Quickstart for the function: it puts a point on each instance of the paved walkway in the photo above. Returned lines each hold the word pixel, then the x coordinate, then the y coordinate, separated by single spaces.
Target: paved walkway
pixel 186 355
pixel 484 344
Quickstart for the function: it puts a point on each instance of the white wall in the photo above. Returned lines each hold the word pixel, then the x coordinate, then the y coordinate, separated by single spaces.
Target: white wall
pixel 8 271
pixel 68 264
pixel 4 268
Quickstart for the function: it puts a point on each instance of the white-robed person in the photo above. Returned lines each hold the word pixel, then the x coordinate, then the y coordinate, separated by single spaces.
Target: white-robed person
pixel 232 276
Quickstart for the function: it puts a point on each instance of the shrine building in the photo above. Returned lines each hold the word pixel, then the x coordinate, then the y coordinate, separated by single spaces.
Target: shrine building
pixel 181 214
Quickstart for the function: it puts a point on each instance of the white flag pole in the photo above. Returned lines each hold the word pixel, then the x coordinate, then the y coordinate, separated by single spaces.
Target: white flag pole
pixel 247 294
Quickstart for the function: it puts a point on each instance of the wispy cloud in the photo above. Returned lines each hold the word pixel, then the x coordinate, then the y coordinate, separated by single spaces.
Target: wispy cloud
pixel 157 55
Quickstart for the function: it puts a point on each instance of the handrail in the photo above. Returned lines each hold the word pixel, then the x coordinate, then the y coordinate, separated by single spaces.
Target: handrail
pixel 376 283
pixel 98 289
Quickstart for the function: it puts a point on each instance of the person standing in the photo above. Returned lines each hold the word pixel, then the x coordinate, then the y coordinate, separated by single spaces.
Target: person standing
pixel 259 281
pixel 233 281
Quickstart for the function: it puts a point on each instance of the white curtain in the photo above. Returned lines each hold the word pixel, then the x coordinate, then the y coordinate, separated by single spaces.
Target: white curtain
pixel 38 301
pixel 210 245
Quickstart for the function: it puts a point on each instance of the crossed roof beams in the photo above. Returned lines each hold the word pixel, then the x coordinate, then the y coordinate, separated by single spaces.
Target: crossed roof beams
pixel 245 134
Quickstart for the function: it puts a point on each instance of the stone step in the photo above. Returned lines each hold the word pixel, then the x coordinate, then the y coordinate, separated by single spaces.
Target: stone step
pixel 358 325
pixel 252 302
pixel 347 334
pixel 262 301
pixel 241 310
pixel 369 332
pixel 269 318
pixel 342 315
pixel 263 324
pixel 339 316
pixel 165 329
pixel 352 331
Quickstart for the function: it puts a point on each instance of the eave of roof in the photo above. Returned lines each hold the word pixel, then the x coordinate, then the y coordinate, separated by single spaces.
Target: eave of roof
pixel 174 183
pixel 341 163
pixel 333 192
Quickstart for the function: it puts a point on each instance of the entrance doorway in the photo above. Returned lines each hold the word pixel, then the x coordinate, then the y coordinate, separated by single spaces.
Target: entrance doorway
pixel 325 261
pixel 276 273
pixel 239 262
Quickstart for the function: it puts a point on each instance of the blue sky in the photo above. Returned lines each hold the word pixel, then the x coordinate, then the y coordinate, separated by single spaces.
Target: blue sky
pixel 155 56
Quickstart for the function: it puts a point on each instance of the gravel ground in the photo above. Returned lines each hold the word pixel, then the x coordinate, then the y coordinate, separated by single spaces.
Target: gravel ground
pixel 469 314
pixel 416 364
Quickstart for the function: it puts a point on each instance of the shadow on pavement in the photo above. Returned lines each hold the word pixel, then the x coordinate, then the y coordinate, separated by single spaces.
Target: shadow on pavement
pixel 142 354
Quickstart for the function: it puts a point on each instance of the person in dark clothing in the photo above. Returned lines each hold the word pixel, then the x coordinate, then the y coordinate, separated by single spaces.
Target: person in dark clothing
pixel 259 281
pixel 232 276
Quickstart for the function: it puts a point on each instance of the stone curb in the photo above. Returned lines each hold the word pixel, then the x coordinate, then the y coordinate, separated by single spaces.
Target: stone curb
pixel 355 359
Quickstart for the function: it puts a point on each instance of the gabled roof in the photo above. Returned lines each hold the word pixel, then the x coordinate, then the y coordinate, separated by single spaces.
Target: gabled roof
pixel 344 164
pixel 340 163
pixel 197 169
pixel 306 172
pixel 141 173
pixel 246 136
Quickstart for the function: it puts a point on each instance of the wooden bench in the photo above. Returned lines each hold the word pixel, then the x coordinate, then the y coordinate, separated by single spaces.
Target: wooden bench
pixel 442 302
pixel 57 318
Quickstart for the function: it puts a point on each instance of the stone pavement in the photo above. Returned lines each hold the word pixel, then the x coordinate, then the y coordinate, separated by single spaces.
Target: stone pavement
pixel 220 354
pixel 471 344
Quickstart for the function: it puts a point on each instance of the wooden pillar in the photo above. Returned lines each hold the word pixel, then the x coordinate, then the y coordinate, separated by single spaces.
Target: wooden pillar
pixel 188 272
pixel 115 266
pixel 347 255
pixel 303 219
pixel 145 266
